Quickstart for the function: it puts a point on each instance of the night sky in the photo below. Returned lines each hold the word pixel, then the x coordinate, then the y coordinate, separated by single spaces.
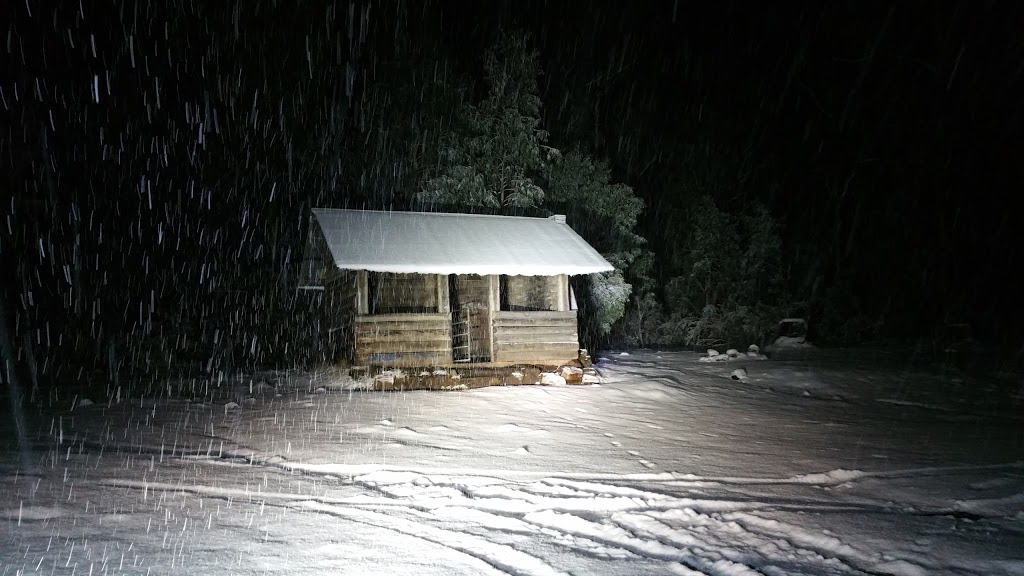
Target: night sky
pixel 161 158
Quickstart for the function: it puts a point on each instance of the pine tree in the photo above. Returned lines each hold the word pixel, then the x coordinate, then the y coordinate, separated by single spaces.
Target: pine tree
pixel 494 154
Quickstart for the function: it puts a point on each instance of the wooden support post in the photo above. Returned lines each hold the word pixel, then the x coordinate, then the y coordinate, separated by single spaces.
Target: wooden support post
pixel 443 304
pixel 362 292
pixel 562 286
pixel 493 304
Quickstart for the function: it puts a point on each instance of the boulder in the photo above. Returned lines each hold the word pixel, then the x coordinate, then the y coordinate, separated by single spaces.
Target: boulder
pixel 551 379
pixel 572 374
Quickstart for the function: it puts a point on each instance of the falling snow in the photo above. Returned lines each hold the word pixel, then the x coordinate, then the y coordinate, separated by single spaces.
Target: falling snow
pixel 667 466
pixel 177 406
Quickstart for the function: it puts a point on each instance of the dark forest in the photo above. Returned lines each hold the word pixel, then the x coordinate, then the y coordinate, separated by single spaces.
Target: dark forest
pixel 858 165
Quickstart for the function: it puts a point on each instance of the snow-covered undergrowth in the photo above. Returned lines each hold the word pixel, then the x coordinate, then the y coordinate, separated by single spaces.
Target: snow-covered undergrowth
pixel 829 465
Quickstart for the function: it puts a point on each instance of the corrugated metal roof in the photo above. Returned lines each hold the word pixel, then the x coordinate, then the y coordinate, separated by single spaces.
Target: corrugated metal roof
pixel 441 243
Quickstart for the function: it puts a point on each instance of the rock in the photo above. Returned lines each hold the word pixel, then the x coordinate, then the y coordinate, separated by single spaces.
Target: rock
pixel 732 353
pixel 551 379
pixel 753 350
pixel 591 379
pixel 230 406
pixel 792 342
pixel 523 375
pixel 572 374
pixel 712 352
pixel 584 358
pixel 739 374
pixel 84 402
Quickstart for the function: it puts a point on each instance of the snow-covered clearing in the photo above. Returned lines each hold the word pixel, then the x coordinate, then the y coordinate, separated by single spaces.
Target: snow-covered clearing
pixel 817 466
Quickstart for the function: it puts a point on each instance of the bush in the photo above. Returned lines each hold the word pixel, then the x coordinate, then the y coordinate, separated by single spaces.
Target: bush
pixel 610 293
pixel 727 286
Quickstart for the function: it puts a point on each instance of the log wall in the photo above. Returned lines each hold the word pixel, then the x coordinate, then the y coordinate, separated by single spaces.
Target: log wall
pixel 403 339
pixel 533 292
pixel 535 337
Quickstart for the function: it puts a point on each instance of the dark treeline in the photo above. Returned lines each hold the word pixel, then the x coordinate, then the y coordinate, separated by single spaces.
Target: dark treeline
pixel 162 158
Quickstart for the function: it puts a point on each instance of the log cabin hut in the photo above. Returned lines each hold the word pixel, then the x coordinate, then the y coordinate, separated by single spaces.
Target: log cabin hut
pixel 417 289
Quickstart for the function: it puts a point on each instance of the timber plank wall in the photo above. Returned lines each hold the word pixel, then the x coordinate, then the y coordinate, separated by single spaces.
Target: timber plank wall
pixel 403 339
pixel 535 337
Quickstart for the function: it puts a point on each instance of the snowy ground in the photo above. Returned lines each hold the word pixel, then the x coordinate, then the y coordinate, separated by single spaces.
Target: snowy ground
pixel 814 466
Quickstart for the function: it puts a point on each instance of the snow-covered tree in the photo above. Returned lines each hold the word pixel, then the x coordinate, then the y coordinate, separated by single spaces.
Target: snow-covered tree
pixel 498 147
pixel 605 213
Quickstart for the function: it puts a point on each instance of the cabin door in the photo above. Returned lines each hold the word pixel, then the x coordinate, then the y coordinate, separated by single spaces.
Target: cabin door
pixel 460 322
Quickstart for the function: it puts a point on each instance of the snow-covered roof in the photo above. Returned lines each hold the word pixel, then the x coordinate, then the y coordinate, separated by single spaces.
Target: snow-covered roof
pixel 441 243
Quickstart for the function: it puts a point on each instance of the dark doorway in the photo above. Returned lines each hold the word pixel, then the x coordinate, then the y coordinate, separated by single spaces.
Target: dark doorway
pixel 460 324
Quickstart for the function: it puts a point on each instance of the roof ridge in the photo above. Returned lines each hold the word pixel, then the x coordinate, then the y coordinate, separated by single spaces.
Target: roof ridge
pixel 421 213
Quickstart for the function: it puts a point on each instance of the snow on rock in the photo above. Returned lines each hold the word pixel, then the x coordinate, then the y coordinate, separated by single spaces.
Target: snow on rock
pixel 230 406
pixel 346 382
pixel 753 349
pixel 739 374
pixel 388 377
pixel 732 353
pixel 712 352
pixel 84 402
pixel 551 379
pixel 792 342
pixel 591 379
pixel 572 374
